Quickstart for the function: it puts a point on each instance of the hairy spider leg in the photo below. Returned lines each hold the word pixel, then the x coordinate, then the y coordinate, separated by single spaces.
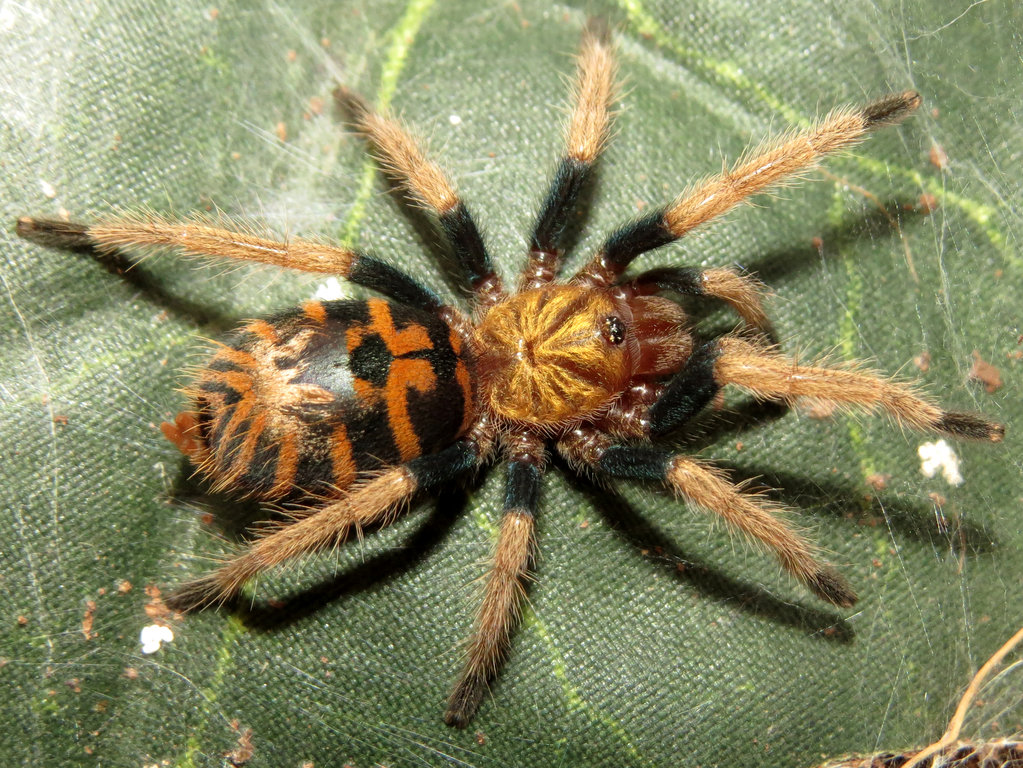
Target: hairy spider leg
pixel 106 241
pixel 767 375
pixel 200 239
pixel 503 593
pixel 402 157
pixel 587 133
pixel 764 167
pixel 375 501
pixel 752 515
pixel 743 293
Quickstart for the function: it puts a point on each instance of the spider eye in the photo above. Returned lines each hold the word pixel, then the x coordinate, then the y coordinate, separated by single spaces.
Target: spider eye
pixel 614 330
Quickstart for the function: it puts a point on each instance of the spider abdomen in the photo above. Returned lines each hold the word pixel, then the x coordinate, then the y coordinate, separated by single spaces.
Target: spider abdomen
pixel 310 398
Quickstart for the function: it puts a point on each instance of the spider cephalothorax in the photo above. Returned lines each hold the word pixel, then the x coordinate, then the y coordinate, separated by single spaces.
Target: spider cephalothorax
pixel 561 354
pixel 355 406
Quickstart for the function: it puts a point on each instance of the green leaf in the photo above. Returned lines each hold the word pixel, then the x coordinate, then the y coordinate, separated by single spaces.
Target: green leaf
pixel 652 637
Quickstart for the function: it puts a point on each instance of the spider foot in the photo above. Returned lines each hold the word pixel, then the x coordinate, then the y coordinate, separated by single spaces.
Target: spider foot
pixel 970 426
pixel 55 233
pixel 465 700
pixel 199 594
pixel 828 584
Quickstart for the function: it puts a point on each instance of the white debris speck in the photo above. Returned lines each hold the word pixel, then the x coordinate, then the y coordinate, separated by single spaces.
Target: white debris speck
pixel 8 18
pixel 939 456
pixel 330 290
pixel 48 189
pixel 153 636
pixel 455 119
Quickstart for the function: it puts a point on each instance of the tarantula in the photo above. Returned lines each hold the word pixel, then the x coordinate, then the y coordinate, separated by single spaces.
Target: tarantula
pixel 359 405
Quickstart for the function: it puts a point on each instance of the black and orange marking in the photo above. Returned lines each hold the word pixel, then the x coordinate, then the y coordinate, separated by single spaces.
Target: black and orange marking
pixel 309 399
pixel 409 369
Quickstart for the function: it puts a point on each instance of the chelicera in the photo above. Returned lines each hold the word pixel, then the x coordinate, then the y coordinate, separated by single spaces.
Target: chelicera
pixel 356 406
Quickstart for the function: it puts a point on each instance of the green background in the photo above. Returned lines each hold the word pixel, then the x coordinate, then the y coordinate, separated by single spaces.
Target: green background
pixel 653 638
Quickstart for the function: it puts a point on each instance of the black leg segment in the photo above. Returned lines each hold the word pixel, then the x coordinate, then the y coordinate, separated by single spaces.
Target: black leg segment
pixel 635 238
pixel 687 393
pixel 687 281
pixel 445 466
pixel 467 244
pixel 522 488
pixel 380 276
pixel 639 462
pixel 558 205
pixel 54 233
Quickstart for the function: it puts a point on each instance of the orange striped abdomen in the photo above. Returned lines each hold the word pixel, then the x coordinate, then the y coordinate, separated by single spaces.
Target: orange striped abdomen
pixel 309 399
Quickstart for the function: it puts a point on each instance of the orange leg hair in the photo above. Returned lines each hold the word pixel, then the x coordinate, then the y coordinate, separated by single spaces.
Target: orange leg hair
pixel 769 375
pixel 594 89
pixel 401 155
pixel 782 158
pixel 376 501
pixel 750 514
pixel 503 594
pixel 768 165
pixel 193 238
pixel 755 517
pixel 743 293
pixel 372 501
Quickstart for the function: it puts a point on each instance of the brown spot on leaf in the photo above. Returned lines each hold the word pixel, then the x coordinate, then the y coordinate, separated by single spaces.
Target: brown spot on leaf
pixel 87 619
pixel 878 481
pixel 156 609
pixel 927 204
pixel 938 157
pixel 985 373
pixel 243 748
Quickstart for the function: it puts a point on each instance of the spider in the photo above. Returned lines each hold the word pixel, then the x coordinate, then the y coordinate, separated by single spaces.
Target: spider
pixel 360 405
